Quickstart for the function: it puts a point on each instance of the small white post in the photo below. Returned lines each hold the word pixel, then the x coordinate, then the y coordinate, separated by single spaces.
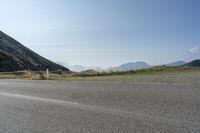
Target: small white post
pixel 47 73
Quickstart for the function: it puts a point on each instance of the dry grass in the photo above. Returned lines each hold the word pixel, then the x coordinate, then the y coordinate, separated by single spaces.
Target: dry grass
pixel 22 75
pixel 156 74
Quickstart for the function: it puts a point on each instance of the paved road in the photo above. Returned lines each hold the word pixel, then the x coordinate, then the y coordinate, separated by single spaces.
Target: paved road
pixel 98 107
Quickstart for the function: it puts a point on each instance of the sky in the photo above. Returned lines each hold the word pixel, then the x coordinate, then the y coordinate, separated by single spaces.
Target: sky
pixel 105 33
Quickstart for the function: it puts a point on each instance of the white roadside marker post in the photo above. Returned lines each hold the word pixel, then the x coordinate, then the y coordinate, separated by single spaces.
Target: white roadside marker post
pixel 47 72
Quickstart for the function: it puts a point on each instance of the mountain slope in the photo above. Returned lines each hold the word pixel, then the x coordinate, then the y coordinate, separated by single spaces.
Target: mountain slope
pixel 131 66
pixel 195 63
pixel 177 63
pixel 14 57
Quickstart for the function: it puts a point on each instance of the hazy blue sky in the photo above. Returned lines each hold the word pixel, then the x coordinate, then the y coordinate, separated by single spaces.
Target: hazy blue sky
pixel 105 32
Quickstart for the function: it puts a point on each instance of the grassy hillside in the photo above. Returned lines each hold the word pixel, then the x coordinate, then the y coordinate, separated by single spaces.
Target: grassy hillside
pixel 15 57
pixel 195 63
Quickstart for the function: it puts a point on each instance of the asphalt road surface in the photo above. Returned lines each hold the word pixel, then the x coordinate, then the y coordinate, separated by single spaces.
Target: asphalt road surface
pixel 98 107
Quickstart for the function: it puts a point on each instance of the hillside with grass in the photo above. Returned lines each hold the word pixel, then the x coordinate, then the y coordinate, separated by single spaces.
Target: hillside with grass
pixel 16 57
pixel 195 63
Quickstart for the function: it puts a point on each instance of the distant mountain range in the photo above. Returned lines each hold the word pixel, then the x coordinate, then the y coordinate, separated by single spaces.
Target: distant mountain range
pixel 16 57
pixel 142 65
pixel 137 65
pixel 123 67
pixel 131 66
pixel 78 68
